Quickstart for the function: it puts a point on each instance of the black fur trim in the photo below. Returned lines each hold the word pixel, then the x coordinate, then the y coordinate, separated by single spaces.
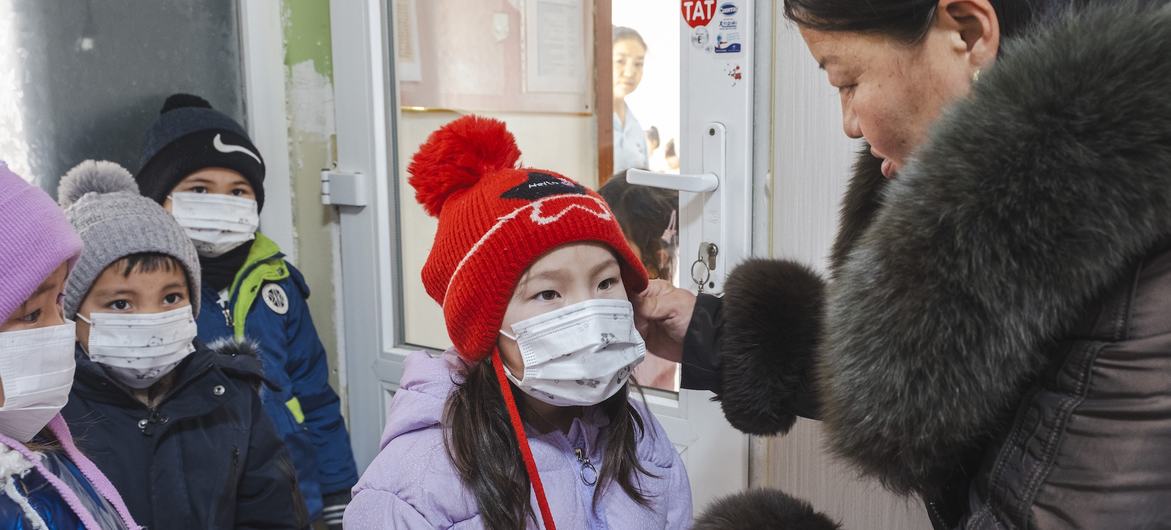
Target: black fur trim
pixel 863 197
pixel 1032 196
pixel 772 321
pixel 762 508
pixel 240 358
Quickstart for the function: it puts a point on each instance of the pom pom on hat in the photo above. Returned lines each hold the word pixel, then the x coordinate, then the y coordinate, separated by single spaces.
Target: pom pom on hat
pixel 94 176
pixel 179 101
pixel 457 156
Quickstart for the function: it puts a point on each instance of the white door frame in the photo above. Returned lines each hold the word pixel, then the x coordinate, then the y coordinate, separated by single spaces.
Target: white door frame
pixel 365 119
pixel 262 52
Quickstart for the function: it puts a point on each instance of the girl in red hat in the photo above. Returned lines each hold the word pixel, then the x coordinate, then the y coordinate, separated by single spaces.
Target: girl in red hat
pixel 527 422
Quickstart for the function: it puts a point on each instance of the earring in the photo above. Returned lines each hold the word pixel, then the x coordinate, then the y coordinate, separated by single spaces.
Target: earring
pixel 976 75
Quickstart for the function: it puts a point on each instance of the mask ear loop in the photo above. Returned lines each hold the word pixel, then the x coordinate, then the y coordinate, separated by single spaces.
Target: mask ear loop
pixel 522 440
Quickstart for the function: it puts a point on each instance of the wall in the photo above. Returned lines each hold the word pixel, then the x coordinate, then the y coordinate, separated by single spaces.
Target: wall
pixel 812 159
pixel 81 80
pixel 309 101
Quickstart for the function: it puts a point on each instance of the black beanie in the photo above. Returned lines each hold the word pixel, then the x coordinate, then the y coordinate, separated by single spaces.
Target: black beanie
pixel 189 136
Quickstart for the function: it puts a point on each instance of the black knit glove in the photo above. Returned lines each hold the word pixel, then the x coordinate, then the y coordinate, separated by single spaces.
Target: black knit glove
pixel 335 508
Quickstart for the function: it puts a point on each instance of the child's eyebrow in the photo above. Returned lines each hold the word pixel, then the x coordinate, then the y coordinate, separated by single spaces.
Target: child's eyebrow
pixel 603 266
pixel 175 285
pixel 116 292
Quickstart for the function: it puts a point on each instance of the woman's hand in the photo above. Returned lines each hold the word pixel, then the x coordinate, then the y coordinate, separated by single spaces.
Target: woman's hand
pixel 662 313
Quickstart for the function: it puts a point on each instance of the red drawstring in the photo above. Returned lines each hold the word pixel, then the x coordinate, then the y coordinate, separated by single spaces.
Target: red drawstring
pixel 522 440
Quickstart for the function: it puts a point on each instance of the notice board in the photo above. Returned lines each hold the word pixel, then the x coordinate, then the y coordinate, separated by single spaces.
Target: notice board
pixel 495 55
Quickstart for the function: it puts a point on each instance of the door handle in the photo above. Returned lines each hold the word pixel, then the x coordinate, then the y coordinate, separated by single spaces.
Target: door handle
pixel 694 183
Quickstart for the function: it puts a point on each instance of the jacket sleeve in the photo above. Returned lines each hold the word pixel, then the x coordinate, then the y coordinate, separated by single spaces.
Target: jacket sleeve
pixel 765 331
pixel 373 509
pixel 268 494
pixel 309 373
pixel 701 345
pixel 679 501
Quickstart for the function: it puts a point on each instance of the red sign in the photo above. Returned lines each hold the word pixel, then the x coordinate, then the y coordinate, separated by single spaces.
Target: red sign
pixel 698 12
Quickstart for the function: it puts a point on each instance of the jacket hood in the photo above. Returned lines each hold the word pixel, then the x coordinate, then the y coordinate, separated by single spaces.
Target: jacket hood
pixel 1029 199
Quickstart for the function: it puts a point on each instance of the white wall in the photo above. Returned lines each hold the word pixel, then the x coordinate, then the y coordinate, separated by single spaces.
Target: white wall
pixel 812 160
pixel 566 144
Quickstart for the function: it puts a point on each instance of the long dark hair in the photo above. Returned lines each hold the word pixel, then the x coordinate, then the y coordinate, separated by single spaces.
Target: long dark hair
pixel 906 20
pixel 482 446
pixel 645 216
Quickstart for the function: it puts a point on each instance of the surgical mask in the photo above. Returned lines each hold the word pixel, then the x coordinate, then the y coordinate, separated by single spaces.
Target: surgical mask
pixel 215 223
pixel 578 355
pixel 36 368
pixel 138 349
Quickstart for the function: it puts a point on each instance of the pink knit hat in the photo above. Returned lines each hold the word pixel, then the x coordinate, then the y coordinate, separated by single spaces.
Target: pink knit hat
pixel 35 239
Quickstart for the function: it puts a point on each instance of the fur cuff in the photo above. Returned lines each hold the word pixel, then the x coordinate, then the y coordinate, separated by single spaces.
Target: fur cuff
pixel 763 508
pixel 772 321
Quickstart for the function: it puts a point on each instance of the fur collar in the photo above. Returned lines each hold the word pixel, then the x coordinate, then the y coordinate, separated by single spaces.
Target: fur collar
pixel 1031 197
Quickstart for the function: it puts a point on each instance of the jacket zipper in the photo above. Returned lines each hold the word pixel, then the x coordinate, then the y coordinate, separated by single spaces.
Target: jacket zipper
pixel 589 473
pixel 226 307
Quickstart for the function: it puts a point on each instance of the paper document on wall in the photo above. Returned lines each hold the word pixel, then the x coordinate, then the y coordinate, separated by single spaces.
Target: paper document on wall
pixel 554 46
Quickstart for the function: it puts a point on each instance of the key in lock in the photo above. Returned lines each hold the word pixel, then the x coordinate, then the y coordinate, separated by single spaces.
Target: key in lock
pixel 705 263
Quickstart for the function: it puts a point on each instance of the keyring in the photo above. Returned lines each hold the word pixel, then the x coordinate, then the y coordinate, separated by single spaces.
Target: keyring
pixel 707 274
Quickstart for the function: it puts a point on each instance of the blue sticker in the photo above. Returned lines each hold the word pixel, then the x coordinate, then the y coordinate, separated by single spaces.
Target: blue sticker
pixel 728 9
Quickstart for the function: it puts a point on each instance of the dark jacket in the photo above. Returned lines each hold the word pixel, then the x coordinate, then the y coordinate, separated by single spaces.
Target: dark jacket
pixel 205 457
pixel 268 306
pixel 996 332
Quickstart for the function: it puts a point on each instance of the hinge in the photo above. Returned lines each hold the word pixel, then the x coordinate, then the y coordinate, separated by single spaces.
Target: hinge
pixel 339 188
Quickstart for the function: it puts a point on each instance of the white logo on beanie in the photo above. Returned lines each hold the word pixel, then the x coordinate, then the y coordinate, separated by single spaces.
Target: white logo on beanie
pixel 538 218
pixel 220 146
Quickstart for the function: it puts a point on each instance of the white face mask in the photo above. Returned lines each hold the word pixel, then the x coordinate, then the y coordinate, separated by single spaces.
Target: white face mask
pixel 138 349
pixel 578 355
pixel 36 367
pixel 215 223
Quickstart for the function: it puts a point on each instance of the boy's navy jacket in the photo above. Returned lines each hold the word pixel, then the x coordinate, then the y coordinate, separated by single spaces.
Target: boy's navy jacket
pixel 206 457
pixel 267 306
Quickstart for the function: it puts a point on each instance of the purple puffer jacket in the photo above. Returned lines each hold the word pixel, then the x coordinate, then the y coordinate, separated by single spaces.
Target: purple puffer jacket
pixel 412 483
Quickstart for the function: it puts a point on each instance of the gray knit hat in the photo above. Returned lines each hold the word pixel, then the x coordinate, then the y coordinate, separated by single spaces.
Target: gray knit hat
pixel 102 202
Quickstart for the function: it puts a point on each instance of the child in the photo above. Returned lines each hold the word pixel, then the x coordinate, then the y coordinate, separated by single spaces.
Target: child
pixel 44 478
pixel 534 276
pixel 649 219
pixel 201 166
pixel 178 427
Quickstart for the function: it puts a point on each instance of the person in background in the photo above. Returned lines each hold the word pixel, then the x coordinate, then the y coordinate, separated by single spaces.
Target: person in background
pixel 203 168
pixel 534 276
pixel 178 426
pixel 649 220
pixel 45 480
pixel 630 145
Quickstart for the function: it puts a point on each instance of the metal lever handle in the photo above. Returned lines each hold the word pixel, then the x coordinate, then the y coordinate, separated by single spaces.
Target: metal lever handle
pixel 701 183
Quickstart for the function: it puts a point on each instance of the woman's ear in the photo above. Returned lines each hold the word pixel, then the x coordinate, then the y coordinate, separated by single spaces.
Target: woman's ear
pixel 977 26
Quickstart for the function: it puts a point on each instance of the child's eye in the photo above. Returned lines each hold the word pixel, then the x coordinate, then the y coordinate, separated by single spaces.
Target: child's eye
pixel 198 189
pixel 119 305
pixel 238 193
pixel 607 284
pixel 172 299
pixel 32 318
pixel 547 296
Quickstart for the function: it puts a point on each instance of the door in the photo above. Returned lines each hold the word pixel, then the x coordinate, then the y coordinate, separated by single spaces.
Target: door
pixel 391 92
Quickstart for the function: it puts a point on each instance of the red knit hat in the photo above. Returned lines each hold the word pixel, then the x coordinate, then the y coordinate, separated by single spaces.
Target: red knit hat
pixel 495 221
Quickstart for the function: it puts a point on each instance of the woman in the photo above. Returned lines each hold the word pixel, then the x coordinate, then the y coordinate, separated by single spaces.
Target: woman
pixel 630 149
pixel 996 336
